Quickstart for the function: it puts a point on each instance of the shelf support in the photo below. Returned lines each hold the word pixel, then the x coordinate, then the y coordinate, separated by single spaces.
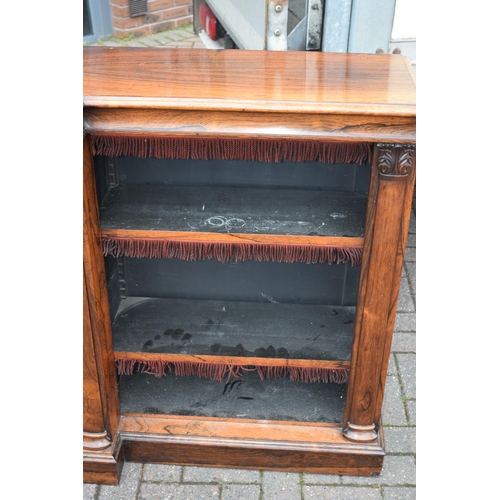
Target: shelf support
pixel 102 455
pixel 388 214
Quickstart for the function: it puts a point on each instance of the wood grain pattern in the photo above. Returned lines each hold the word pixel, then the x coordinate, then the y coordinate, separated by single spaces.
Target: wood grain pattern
pixel 322 127
pixel 336 241
pixel 230 428
pixel 98 322
pixel 237 360
pixel 393 177
pixel 104 467
pixel 93 419
pixel 311 95
pixel 264 81
pixel 247 444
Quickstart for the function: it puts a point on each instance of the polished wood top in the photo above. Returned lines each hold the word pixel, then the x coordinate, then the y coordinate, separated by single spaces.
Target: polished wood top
pixel 237 80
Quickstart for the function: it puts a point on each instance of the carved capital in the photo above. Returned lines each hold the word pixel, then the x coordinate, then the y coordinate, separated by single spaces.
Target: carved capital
pixel 360 433
pixel 396 160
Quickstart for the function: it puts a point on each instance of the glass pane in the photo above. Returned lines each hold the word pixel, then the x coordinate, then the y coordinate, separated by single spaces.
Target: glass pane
pixel 87 22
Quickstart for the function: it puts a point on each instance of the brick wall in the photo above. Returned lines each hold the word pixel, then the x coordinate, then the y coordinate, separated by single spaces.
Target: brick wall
pixel 162 15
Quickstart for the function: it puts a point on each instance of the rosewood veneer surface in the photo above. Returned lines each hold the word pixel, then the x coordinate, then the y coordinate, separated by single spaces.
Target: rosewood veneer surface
pixel 301 96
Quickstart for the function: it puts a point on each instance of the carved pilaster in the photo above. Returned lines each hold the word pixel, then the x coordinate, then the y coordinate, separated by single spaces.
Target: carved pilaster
pixel 387 219
pixel 102 461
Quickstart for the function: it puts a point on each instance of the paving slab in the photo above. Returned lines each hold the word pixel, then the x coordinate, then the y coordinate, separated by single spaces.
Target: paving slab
pixel 136 43
pixel 411 405
pixel 405 322
pixel 400 439
pixel 341 493
pixel 281 485
pixel 243 492
pixel 405 299
pixel 399 493
pixel 393 410
pixel 162 473
pixel 410 254
pixel 407 370
pixel 89 491
pixel 413 223
pixel 411 271
pixel 129 484
pixel 151 491
pixel 320 479
pixel 411 240
pixel 110 43
pixel 149 41
pixel 397 470
pixel 392 368
pixel 216 475
pixel 404 342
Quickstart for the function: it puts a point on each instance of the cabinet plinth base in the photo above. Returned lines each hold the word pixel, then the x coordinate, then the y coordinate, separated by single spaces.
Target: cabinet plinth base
pixel 103 467
pixel 247 444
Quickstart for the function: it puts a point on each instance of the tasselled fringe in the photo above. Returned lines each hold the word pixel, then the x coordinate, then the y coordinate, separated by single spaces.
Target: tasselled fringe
pixel 225 252
pixel 225 148
pixel 221 371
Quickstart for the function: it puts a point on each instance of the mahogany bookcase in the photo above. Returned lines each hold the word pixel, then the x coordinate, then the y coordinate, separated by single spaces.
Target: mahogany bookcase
pixel 245 218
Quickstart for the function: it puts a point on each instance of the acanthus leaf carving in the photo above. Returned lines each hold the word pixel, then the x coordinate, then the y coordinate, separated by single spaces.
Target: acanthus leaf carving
pixel 396 159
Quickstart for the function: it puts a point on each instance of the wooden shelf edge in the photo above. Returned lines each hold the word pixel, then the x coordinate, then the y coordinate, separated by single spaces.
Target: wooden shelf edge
pixel 227 123
pixel 337 241
pixel 250 105
pixel 250 444
pixel 195 358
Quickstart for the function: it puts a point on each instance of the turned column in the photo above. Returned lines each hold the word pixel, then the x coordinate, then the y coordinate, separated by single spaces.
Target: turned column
pixel 388 214
pixel 100 393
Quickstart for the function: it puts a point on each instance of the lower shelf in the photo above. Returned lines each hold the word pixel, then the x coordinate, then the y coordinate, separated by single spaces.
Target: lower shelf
pixel 247 397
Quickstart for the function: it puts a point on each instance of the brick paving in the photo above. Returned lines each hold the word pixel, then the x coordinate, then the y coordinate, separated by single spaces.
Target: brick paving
pixel 398 478
pixel 182 37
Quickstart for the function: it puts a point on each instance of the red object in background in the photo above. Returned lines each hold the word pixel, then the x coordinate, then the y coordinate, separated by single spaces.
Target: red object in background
pixel 208 21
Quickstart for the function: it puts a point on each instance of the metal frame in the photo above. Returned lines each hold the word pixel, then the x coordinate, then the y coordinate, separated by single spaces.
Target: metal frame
pixel 100 17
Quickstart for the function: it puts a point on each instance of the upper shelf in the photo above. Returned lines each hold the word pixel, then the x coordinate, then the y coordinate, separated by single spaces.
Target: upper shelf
pixel 251 81
pixel 233 210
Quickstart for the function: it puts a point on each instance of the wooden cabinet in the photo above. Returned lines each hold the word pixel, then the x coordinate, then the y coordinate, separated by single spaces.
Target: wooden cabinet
pixel 245 220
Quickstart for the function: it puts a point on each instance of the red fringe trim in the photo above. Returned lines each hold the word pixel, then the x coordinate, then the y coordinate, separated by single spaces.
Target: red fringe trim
pixel 224 148
pixel 225 252
pixel 218 371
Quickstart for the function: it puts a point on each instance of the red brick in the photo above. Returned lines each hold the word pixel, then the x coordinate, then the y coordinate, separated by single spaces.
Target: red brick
pixel 120 11
pixel 126 23
pixel 160 5
pixel 183 20
pixel 183 2
pixel 138 32
pixel 175 13
pixel 150 18
pixel 121 3
pixel 165 26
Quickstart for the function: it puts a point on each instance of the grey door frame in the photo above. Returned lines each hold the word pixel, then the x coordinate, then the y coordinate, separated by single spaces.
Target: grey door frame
pixel 100 18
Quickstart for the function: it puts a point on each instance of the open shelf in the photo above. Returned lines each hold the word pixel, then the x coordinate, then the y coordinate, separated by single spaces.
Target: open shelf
pixel 133 207
pixel 248 397
pixel 234 329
